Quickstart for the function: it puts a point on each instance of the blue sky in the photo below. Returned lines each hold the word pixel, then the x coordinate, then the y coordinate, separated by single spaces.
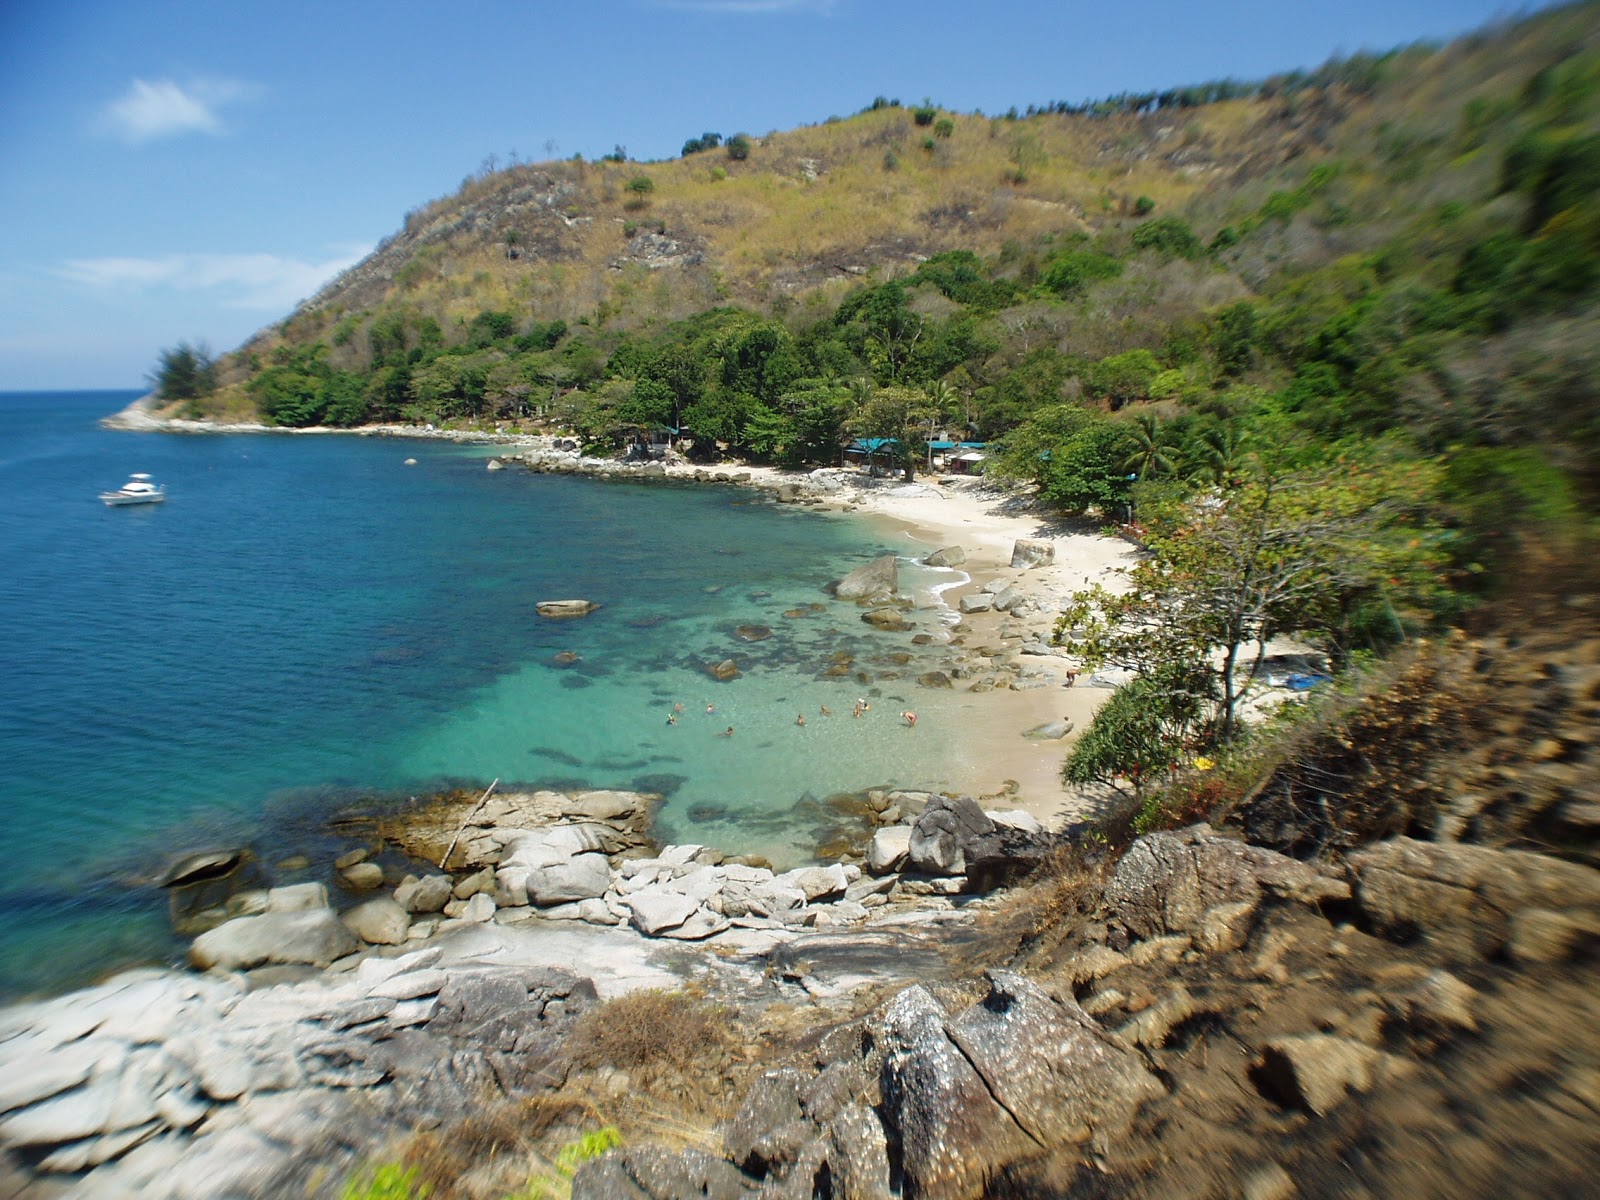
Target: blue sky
pixel 171 169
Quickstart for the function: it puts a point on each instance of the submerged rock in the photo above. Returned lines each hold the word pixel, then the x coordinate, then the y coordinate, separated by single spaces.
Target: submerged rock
pixel 562 609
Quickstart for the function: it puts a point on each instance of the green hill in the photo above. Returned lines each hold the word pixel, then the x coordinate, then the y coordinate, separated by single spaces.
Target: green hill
pixel 1394 251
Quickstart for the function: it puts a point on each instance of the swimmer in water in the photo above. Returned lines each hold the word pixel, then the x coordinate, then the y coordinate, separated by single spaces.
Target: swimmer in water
pixel 672 718
pixel 800 719
pixel 711 708
pixel 911 718
pixel 826 711
pixel 728 732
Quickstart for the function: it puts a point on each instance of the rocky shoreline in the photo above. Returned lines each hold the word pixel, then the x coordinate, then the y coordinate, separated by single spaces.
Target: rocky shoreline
pixel 314 1034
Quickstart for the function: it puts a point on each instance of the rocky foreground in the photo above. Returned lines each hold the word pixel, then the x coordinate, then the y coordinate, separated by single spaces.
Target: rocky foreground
pixel 243 1079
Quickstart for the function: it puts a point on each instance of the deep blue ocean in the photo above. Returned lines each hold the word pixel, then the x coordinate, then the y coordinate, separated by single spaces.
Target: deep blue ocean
pixel 308 618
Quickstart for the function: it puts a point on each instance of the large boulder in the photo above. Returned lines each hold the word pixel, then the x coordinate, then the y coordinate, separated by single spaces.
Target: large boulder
pixel 1033 552
pixel 939 1106
pixel 1051 1065
pixel 950 556
pixel 940 835
pixel 582 877
pixel 428 894
pixel 379 922
pixel 1167 881
pixel 880 577
pixel 316 937
pixel 889 848
pixel 1470 901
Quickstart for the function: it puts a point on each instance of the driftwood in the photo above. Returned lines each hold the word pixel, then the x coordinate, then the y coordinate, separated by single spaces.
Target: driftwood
pixel 467 820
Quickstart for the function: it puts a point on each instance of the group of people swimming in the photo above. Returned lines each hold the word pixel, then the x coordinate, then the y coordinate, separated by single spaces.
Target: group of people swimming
pixel 861 709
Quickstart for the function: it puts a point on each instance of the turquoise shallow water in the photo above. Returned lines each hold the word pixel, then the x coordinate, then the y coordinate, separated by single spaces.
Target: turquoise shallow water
pixel 308 616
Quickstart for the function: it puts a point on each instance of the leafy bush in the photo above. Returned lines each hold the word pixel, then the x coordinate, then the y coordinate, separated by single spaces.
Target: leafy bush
pixel 944 127
pixel 739 147
pixel 1170 237
pixel 1143 206
pixel 1070 272
pixel 1143 730
pixel 641 185
pixel 924 115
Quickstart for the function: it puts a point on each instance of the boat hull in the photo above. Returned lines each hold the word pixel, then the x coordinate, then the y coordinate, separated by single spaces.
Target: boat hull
pixel 117 500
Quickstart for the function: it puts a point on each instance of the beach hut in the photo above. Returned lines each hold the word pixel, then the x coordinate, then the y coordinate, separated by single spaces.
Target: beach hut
pixel 868 451
pixel 968 462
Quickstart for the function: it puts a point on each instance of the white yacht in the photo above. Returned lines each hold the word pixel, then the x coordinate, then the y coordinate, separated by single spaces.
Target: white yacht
pixel 138 490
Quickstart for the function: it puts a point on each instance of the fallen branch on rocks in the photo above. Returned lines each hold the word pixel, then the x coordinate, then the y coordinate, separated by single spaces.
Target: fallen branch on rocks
pixel 482 800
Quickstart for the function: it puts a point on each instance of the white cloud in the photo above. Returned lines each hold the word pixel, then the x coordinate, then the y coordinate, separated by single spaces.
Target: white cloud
pixel 160 108
pixel 266 282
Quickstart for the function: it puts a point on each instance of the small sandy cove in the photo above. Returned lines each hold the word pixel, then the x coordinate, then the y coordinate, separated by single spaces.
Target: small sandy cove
pixel 987 727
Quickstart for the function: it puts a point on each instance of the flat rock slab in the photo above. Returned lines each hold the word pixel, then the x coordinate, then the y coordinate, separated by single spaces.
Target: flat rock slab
pixel 558 610
pixel 316 937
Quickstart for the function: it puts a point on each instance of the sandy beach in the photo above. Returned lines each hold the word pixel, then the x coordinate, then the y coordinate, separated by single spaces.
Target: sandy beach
pixel 996 762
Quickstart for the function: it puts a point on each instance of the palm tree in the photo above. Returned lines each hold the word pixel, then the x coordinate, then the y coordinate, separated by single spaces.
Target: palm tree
pixel 1151 452
pixel 1221 452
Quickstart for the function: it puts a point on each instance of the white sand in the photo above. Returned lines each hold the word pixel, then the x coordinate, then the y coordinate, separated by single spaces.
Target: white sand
pixel 987 727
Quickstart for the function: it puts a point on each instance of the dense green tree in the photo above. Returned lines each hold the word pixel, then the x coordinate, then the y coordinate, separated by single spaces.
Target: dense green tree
pixel 184 372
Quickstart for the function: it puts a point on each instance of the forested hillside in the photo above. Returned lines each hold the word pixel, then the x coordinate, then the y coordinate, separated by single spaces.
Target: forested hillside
pixel 1390 262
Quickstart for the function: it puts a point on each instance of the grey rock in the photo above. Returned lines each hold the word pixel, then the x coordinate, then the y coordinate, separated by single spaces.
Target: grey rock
pixel 976 602
pixel 471 885
pixel 702 923
pixel 771 1102
pixel 938 836
pixel 1033 552
pixel 939 1106
pixel 363 876
pixel 1008 599
pixel 1050 731
pixel 950 556
pixel 654 910
pixel 655 1173
pixel 317 937
pixel 582 877
pixel 29 1077
pixel 428 894
pixel 818 883
pixel 412 985
pixel 880 577
pixel 869 886
pixel 858 1155
pixel 1167 881
pixel 1049 1063
pixel 479 910
pixel 1464 898
pixel 297 897
pixel 197 865
pixel 379 922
